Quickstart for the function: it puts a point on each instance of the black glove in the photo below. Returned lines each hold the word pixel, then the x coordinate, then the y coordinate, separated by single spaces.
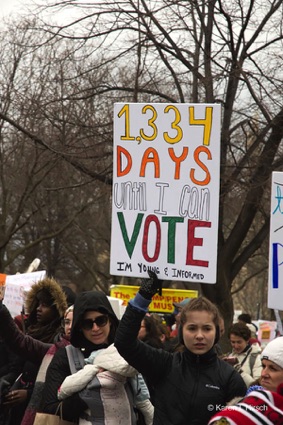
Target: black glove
pixel 151 286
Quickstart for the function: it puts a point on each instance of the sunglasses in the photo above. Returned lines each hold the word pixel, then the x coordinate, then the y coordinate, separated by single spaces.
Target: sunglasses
pixel 100 321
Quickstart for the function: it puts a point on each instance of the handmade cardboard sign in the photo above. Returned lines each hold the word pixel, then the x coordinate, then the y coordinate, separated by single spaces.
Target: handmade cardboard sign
pixel 275 281
pixel 160 303
pixel 17 286
pixel 166 191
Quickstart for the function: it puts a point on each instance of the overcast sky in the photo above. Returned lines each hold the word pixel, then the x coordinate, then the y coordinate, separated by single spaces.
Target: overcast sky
pixel 11 6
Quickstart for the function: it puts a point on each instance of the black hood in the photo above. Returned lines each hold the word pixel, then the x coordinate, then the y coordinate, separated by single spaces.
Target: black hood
pixel 91 301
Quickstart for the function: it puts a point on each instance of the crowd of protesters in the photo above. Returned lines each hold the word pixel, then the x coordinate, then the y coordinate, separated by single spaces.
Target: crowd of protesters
pixel 72 356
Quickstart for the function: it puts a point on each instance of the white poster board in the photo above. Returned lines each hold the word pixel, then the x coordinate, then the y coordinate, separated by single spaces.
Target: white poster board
pixel 165 197
pixel 266 331
pixel 118 306
pixel 275 281
pixel 16 286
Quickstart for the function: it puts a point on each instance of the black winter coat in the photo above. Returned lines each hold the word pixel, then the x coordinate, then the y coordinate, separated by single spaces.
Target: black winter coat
pixel 189 388
pixel 59 369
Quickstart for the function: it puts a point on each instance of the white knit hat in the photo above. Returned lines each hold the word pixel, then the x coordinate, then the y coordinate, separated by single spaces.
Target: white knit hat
pixel 274 351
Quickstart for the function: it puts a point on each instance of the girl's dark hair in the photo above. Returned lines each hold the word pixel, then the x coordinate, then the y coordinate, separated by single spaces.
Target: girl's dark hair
pixel 241 330
pixel 200 304
pixel 154 331
pixel 245 317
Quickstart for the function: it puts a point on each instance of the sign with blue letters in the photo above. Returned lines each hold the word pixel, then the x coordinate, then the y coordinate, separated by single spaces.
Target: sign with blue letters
pixel 275 284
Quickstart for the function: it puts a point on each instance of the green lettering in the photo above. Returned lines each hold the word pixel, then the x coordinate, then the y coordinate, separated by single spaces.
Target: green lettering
pixel 130 243
pixel 171 236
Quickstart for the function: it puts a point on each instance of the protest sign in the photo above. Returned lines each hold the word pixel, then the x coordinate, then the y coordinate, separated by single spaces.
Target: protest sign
pixel 166 191
pixel 160 303
pixel 275 281
pixel 16 287
pixel 2 285
pixel 266 331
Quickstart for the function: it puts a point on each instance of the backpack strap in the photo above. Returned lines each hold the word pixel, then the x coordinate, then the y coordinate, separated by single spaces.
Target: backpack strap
pixel 246 356
pixel 75 357
pixel 253 358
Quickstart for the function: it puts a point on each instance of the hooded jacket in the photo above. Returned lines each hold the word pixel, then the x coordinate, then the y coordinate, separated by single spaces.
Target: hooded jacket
pixel 74 407
pixel 57 298
pixel 91 301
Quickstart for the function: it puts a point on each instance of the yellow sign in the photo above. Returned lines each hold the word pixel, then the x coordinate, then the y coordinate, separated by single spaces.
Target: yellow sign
pixel 160 304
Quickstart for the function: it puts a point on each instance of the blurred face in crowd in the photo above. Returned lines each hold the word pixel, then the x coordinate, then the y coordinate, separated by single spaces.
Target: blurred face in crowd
pixel 68 323
pixel 45 313
pixel 271 375
pixel 96 327
pixel 199 331
pixel 221 326
pixel 238 343
pixel 178 316
pixel 142 331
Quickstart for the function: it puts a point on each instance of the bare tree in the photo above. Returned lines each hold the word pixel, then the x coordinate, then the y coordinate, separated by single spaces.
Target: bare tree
pixel 48 202
pixel 174 51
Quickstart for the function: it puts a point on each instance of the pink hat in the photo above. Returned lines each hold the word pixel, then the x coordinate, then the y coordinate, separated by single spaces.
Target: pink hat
pixel 259 407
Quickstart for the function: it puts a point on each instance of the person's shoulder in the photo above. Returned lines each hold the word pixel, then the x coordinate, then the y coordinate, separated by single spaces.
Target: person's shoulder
pixel 60 355
pixel 256 348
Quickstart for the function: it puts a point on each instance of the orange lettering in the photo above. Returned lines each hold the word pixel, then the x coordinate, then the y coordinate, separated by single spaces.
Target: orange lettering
pixel 207 178
pixel 178 160
pixel 154 159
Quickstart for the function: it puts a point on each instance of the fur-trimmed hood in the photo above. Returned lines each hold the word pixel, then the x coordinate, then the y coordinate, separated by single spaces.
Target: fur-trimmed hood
pixel 55 291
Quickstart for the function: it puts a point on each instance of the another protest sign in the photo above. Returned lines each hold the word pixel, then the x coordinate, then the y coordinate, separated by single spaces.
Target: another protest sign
pixel 275 282
pixel 16 287
pixel 160 303
pixel 166 191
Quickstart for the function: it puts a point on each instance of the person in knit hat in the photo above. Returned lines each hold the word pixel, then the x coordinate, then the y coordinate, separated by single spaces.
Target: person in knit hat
pixel 259 407
pixel 262 404
pixel 272 364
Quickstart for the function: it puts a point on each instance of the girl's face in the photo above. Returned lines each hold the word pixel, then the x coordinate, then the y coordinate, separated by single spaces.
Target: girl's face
pixel 271 375
pixel 238 343
pixel 68 323
pixel 199 332
pixel 97 333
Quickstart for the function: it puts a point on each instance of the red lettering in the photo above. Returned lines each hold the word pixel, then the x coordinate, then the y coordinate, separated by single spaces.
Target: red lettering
pixel 151 219
pixel 120 152
pixel 193 241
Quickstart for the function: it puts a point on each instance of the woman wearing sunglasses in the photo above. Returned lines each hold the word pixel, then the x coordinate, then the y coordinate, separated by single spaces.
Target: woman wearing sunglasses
pixel 93 328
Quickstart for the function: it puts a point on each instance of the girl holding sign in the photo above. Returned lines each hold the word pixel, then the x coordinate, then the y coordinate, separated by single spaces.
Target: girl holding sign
pixel 190 385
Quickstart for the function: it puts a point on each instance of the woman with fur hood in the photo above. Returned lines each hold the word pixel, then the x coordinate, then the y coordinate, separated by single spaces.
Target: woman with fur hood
pixel 46 304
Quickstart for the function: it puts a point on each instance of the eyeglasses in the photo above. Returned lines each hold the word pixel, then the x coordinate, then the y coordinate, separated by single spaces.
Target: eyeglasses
pixel 100 321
